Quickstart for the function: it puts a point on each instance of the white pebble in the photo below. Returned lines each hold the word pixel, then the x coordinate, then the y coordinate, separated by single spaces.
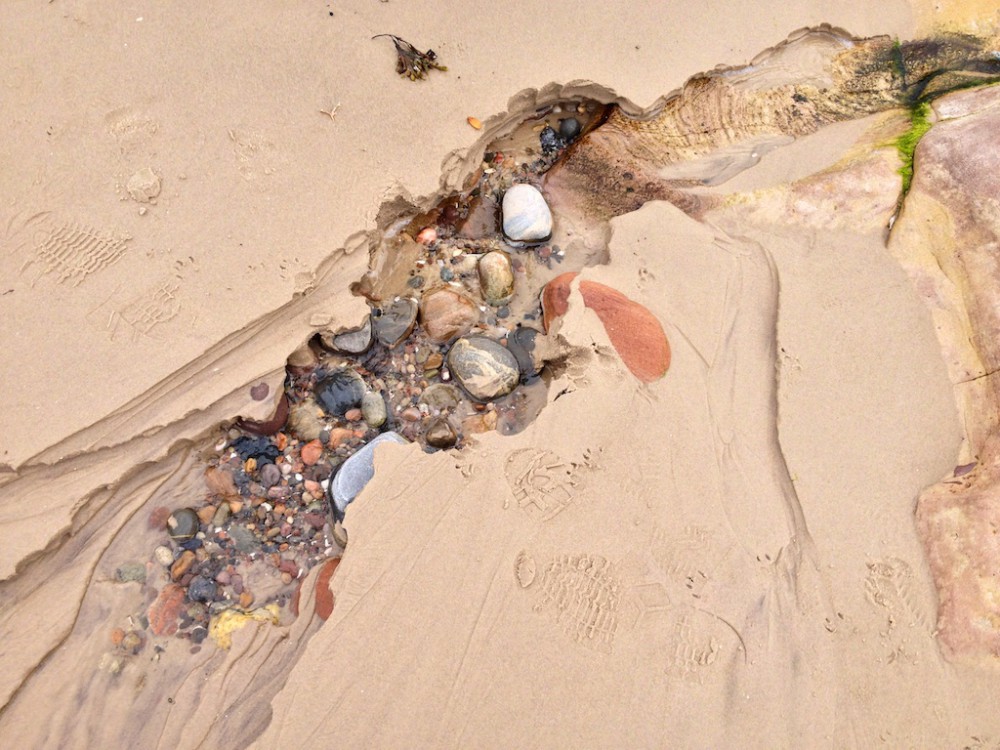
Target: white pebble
pixel 526 215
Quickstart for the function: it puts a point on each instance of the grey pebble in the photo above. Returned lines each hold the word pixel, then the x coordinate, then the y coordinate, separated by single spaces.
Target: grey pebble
pixel 373 409
pixel 357 471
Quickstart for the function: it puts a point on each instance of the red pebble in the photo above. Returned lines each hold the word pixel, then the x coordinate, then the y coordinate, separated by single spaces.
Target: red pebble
pixel 163 612
pixel 324 597
pixel 311 452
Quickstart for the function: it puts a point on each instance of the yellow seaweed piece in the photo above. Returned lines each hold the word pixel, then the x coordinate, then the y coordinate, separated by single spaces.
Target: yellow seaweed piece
pixel 227 622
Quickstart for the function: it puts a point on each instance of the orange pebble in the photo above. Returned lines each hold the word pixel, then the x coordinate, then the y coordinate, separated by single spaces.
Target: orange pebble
pixel 311 452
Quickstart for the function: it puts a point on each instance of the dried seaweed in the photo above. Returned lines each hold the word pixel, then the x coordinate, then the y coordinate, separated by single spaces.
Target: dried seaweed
pixel 411 62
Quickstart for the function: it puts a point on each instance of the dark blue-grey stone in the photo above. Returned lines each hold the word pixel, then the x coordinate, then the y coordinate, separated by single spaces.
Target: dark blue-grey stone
pixel 202 590
pixel 340 391
pixel 569 128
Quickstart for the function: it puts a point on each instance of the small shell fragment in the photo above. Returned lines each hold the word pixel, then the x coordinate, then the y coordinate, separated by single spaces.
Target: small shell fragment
pixel 474 122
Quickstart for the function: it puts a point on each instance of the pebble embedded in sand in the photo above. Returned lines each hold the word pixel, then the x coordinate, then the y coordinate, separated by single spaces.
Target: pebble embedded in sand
pixel 633 330
pixel 324 597
pixel 340 391
pixel 440 434
pixel 131 571
pixel 569 128
pixel 526 216
pixel 270 475
pixel 182 524
pixel 396 322
pixel 354 341
pixel 496 278
pixel 549 140
pixel 143 186
pixel 446 314
pixel 357 471
pixel 483 367
pixel 304 420
pixel 440 397
pixel 181 565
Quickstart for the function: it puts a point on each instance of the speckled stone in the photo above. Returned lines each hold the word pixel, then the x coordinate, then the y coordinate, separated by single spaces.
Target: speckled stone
pixel 483 367
pixel 526 216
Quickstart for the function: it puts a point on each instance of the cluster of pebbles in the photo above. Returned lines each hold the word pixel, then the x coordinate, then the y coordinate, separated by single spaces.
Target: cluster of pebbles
pixel 442 355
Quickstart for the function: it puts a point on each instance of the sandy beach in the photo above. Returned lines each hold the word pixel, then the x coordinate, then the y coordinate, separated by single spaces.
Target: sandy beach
pixel 709 460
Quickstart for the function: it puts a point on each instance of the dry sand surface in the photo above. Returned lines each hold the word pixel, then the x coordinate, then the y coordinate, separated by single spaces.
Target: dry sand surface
pixel 727 556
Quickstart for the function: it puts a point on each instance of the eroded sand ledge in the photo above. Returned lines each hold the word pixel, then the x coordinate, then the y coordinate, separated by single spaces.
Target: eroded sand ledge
pixel 698 619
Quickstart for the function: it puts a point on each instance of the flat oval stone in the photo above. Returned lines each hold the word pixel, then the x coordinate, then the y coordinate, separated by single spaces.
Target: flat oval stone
pixel 526 216
pixel 373 409
pixel 396 322
pixel 496 278
pixel 339 391
pixel 483 367
pixel 356 472
pixel 446 314
pixel 354 341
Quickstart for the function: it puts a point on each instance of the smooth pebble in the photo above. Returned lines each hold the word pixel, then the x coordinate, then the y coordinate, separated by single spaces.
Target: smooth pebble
pixel 526 216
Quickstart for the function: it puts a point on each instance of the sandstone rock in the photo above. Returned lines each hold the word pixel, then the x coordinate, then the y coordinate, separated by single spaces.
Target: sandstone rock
pixel 633 330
